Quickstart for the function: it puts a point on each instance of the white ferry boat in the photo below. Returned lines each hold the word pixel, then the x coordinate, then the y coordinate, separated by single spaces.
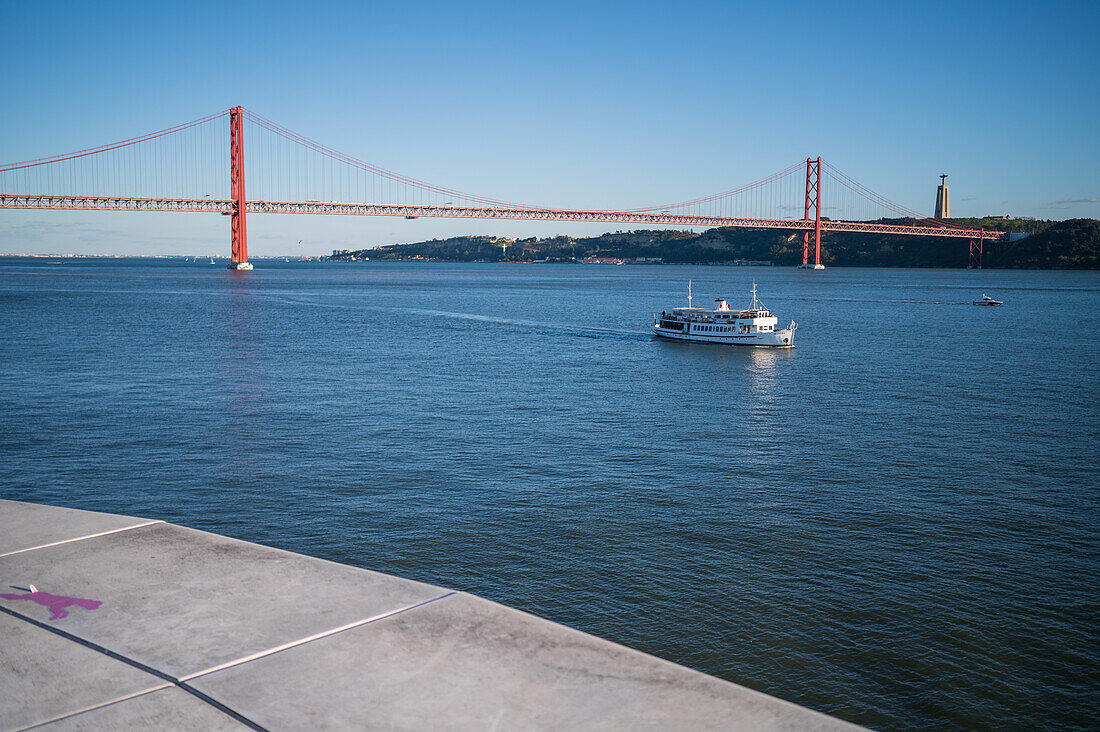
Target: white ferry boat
pixel 755 326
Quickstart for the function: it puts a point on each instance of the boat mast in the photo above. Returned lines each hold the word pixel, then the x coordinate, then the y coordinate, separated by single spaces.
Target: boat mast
pixel 754 303
pixel 689 294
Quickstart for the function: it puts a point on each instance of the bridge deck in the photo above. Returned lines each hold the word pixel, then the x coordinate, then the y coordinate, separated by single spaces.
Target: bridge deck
pixel 105 203
pixel 139 624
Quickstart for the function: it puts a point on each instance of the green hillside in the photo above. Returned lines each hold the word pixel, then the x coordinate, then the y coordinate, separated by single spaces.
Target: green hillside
pixel 1072 244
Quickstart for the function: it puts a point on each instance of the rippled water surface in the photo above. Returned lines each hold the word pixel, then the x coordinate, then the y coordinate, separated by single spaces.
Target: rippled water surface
pixel 896 522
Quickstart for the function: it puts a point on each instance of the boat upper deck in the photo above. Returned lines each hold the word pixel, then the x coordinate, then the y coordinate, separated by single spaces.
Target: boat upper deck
pixel 706 315
pixel 721 313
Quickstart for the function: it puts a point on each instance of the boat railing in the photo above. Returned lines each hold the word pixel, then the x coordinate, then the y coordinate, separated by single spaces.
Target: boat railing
pixel 723 318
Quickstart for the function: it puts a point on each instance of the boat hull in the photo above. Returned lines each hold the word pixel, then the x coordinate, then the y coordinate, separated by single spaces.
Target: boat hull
pixel 775 339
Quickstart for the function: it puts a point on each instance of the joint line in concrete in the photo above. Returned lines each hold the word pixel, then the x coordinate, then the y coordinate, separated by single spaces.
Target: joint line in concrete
pixel 101 705
pixel 79 538
pixel 311 638
pixel 138 665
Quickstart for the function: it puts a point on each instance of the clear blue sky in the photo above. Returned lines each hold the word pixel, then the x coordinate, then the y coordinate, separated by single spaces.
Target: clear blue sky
pixel 575 104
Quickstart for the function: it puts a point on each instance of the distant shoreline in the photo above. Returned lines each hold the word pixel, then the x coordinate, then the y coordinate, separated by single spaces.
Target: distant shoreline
pixel 390 262
pixel 215 257
pixel 1073 244
pixel 1032 244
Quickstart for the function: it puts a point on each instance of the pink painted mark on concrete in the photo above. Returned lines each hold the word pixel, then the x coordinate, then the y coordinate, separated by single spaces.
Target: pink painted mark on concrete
pixel 56 604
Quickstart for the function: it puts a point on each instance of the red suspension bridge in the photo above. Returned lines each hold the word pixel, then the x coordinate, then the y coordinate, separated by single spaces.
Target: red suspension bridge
pixel 184 168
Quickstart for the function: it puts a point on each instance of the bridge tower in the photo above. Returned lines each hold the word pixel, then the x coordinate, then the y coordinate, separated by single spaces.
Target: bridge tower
pixel 813 200
pixel 236 189
pixel 977 250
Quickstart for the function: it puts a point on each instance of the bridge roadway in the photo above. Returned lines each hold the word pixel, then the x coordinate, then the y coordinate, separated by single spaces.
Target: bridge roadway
pixel 100 203
pixel 139 624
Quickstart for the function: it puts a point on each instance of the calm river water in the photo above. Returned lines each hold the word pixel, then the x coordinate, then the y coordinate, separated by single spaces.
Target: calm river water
pixel 896 522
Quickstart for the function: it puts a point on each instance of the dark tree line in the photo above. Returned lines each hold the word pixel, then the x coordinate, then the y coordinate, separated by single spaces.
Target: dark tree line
pixel 1072 244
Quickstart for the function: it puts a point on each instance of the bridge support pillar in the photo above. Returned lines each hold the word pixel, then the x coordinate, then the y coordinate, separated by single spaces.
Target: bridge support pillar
pixel 977 250
pixel 236 190
pixel 813 200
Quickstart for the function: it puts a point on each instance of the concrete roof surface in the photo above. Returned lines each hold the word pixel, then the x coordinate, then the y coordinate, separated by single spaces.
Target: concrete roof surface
pixel 139 624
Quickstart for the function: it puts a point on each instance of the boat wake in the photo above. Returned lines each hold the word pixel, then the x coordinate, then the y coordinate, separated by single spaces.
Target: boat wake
pixel 587 331
pixel 902 300
pixel 530 324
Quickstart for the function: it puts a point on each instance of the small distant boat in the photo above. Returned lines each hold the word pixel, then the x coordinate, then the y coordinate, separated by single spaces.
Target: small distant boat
pixel 987 300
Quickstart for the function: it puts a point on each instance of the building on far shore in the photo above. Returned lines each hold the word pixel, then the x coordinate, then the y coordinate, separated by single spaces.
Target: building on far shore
pixel 943 199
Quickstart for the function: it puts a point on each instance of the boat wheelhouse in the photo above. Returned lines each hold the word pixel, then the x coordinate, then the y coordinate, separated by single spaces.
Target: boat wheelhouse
pixel 754 326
